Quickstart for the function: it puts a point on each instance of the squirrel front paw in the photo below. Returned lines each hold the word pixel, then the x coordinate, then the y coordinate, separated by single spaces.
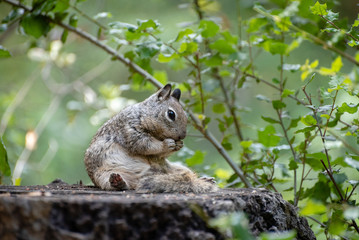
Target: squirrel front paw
pixel 172 145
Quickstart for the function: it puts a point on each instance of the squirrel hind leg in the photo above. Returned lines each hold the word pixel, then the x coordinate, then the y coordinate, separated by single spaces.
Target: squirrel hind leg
pixel 186 182
pixel 109 180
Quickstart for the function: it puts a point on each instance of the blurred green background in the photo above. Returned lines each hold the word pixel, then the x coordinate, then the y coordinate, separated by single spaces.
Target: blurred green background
pixel 59 149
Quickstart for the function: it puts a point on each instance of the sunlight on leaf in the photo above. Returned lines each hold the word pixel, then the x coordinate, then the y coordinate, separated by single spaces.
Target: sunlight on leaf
pixel 313 208
pixel 196 159
pixel 319 9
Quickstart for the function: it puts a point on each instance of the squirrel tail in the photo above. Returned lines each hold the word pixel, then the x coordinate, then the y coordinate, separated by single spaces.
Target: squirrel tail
pixel 183 182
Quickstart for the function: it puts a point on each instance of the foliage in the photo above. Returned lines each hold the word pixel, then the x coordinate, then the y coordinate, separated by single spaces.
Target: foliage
pixel 4 163
pixel 305 143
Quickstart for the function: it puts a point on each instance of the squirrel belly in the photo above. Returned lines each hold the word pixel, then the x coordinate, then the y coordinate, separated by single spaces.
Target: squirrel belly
pixel 129 151
pixel 115 160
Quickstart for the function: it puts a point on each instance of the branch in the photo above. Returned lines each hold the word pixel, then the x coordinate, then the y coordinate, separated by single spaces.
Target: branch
pixel 133 66
pixel 334 25
pixel 333 180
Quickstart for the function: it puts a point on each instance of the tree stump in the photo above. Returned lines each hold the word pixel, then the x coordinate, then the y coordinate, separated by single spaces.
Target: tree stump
pixel 63 211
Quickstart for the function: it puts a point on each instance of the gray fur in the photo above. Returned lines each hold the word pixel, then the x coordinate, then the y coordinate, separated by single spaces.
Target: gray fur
pixel 135 144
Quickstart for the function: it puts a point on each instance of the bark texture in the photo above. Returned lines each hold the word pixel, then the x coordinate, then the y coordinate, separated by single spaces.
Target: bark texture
pixel 63 211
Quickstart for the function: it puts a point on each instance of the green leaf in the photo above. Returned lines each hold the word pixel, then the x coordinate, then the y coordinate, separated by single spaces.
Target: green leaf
pixel 256 23
pixel 64 35
pixel 274 46
pixel 306 129
pixel 340 177
pixel 73 20
pixel 308 120
pixel 293 165
pixel 278 104
pixel 294 123
pixel 313 160
pixel 183 33
pixel 229 37
pixel 314 163
pixel 352 108
pixel 35 25
pixel 164 58
pixel 147 24
pixel 208 28
pixel 332 16
pixel 337 64
pixel 320 191
pixel 226 143
pixel 119 25
pixel 287 92
pixel 188 48
pixel 4 53
pixel 196 159
pixel 219 108
pixel 4 163
pixel 267 137
pixel 313 208
pixel 214 61
pixel 222 46
pixel 319 9
pixel 246 144
pixel 283 23
pixel 61 6
pixel 147 50
pixel 270 120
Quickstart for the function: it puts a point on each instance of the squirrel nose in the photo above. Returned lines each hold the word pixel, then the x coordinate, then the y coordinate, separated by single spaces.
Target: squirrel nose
pixel 182 135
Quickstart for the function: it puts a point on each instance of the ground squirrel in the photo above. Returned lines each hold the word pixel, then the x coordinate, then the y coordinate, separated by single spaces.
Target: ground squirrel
pixel 129 151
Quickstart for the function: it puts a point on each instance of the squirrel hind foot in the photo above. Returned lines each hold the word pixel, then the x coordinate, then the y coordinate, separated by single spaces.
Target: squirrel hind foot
pixel 117 182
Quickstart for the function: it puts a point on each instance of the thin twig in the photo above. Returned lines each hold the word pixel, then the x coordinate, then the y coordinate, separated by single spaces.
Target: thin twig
pixel 199 82
pixel 227 101
pixel 333 180
pixel 331 112
pixel 319 128
pixel 334 25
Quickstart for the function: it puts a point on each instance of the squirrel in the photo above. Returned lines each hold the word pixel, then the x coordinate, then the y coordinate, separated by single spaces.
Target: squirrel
pixel 129 151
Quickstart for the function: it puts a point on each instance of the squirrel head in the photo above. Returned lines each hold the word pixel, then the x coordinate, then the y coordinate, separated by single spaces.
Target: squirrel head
pixel 165 117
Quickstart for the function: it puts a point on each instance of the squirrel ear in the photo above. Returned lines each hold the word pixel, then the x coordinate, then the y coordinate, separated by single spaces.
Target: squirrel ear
pixel 176 94
pixel 164 92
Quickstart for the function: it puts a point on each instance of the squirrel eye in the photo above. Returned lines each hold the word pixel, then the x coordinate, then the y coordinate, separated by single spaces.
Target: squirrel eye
pixel 171 114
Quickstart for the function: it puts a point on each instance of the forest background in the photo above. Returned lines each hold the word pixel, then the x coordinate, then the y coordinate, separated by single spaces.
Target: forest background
pixel 271 89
